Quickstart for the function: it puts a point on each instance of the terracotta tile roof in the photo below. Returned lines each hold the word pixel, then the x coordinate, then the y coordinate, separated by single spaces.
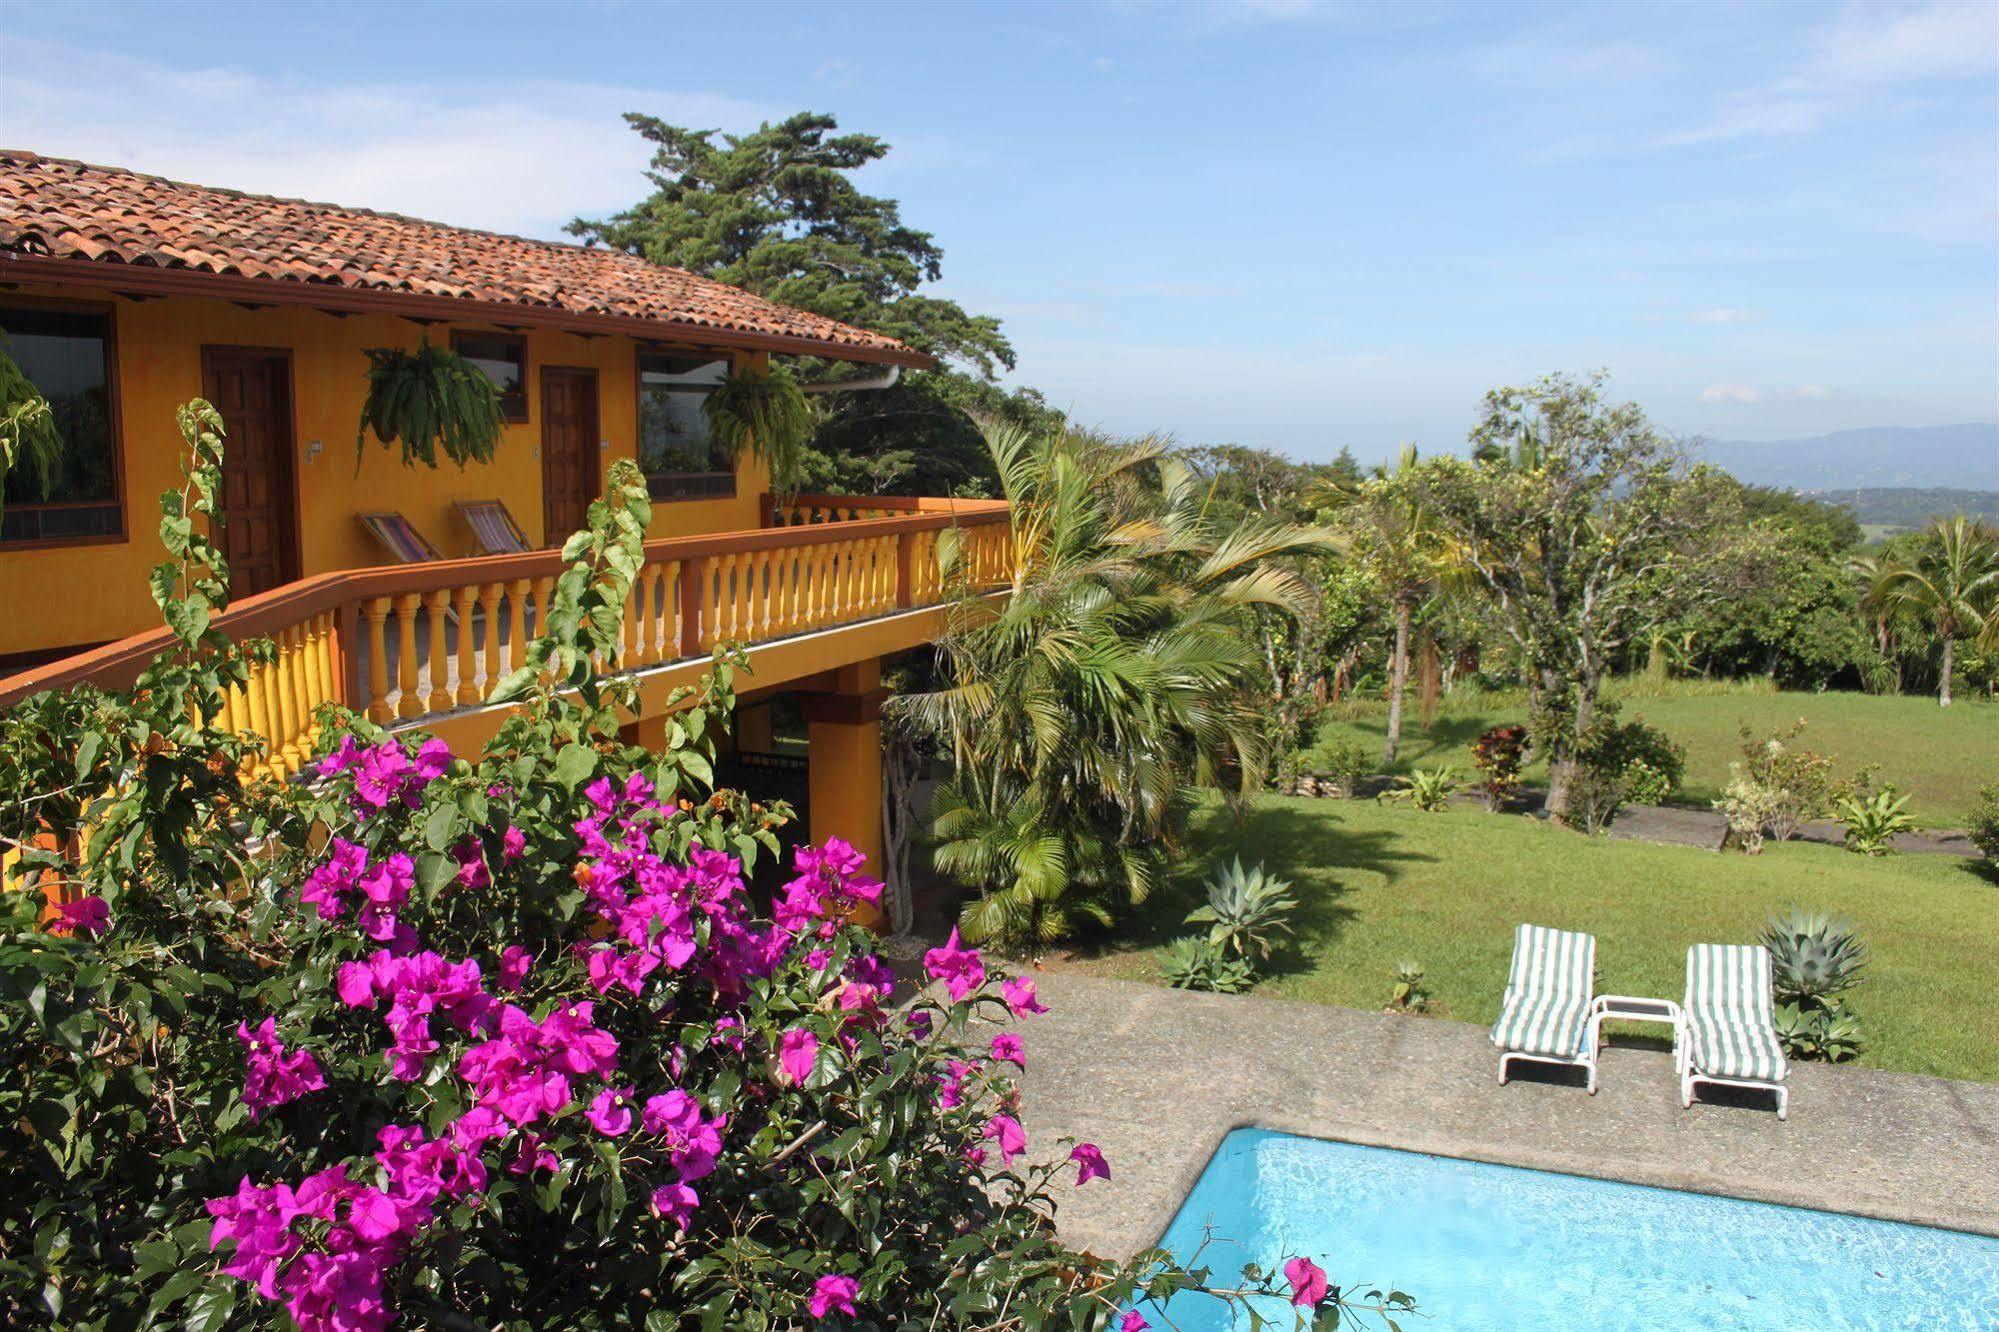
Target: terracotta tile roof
pixel 50 207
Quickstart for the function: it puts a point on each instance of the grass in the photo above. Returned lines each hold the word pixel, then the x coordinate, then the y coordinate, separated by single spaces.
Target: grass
pixel 1938 756
pixel 1380 884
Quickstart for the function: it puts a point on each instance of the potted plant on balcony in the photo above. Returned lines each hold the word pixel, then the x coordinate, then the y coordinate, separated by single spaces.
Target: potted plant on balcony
pixel 429 399
pixel 769 415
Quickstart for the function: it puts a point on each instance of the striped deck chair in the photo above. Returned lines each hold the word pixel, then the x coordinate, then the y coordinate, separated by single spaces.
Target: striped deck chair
pixel 1731 1032
pixel 398 537
pixel 1545 1015
pixel 493 527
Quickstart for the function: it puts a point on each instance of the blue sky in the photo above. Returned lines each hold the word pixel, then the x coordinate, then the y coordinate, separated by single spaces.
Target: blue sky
pixel 1284 223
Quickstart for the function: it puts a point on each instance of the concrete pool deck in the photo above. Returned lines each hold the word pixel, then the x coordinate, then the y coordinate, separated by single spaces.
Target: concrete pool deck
pixel 1156 1077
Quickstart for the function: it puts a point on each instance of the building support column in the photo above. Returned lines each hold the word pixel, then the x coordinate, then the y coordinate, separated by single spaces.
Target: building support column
pixel 844 764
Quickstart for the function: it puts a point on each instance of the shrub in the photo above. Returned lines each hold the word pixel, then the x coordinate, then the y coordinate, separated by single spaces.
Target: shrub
pixel 1499 755
pixel 1984 831
pixel 1641 757
pixel 1342 763
pixel 1800 780
pixel 1748 805
pixel 1427 789
pixel 1873 821
pixel 1196 962
pixel 491 1041
pixel 1814 961
pixel 1246 910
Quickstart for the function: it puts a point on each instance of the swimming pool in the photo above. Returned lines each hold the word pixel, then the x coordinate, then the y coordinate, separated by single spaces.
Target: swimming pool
pixel 1493 1247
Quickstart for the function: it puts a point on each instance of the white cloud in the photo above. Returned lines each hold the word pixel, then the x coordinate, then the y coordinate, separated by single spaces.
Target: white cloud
pixel 525 159
pixel 1723 314
pixel 1938 41
pixel 1738 394
pixel 1808 392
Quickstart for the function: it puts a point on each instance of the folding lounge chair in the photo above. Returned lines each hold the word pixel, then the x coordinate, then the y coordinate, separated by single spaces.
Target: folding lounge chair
pixel 493 527
pixel 398 537
pixel 1731 1031
pixel 1545 1015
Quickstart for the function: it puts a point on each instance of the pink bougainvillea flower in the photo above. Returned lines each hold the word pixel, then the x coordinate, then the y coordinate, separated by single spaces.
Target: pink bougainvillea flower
pixel 919 1025
pixel 274 1076
pixel 533 1155
pixel 513 969
pixel 610 1111
pixel 1006 1131
pixel 797 1053
pixel 692 1140
pixel 513 844
pixel 974 1156
pixel 676 1203
pixel 1133 1322
pixel 1308 1282
pixel 1019 992
pixel 1007 1049
pixel 472 871
pixel 88 916
pixel 1090 1163
pixel 959 968
pixel 832 1292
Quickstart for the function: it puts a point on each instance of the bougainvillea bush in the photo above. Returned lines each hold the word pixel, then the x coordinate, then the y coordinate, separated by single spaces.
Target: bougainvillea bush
pixel 498 1039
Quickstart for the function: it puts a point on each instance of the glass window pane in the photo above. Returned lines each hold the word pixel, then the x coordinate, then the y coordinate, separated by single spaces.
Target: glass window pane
pixel 65 354
pixel 503 360
pixel 673 434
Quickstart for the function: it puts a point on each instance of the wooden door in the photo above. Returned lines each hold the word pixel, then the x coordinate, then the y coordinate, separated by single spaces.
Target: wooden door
pixel 258 527
pixel 568 450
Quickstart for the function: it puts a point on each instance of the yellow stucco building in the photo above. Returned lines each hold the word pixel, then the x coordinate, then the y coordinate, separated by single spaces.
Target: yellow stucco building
pixel 122 296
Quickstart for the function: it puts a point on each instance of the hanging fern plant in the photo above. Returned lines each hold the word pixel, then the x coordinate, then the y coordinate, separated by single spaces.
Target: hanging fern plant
pixel 429 400
pixel 28 433
pixel 766 414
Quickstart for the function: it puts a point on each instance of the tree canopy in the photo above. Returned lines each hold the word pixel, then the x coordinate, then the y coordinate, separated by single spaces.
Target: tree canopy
pixel 777 212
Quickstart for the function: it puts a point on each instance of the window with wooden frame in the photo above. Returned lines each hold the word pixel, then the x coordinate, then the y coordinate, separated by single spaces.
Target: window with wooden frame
pixel 503 357
pixel 67 354
pixel 673 446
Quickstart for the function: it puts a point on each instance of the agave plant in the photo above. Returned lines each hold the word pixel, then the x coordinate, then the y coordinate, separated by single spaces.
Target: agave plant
pixel 1827 1034
pixel 1194 962
pixel 1813 957
pixel 1411 995
pixel 1427 789
pixel 1245 909
pixel 1873 821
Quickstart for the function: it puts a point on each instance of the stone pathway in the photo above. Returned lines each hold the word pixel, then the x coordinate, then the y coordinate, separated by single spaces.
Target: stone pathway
pixel 1157 1077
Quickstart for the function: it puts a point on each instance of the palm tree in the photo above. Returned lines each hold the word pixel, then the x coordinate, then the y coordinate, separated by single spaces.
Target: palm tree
pixel 1116 679
pixel 1386 527
pixel 1951 584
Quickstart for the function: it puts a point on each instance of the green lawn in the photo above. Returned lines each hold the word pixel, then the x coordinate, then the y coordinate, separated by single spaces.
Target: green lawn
pixel 1939 756
pixel 1378 884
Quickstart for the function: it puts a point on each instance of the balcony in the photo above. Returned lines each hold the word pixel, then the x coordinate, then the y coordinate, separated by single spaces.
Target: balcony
pixel 828 581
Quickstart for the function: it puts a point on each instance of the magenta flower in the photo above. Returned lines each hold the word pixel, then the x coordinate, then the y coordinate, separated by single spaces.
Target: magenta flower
pixel 274 1076
pixel 1308 1283
pixel 797 1054
pixel 676 1203
pixel 959 968
pixel 513 844
pixel 1006 1131
pixel 610 1112
pixel 1090 1163
pixel 513 969
pixel 1133 1322
pixel 88 916
pixel 1019 992
pixel 692 1141
pixel 832 1292
pixel 1008 1049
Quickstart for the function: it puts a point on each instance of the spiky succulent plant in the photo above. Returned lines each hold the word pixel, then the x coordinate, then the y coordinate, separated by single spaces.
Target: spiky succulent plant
pixel 1246 909
pixel 1813 957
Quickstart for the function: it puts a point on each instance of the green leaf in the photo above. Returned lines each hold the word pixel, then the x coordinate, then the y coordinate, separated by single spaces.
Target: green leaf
pixel 573 765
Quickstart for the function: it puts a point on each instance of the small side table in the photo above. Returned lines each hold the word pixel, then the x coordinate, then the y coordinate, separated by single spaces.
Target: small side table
pixel 1632 1008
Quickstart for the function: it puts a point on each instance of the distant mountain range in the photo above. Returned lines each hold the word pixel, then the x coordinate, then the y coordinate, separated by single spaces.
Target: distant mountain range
pixel 1962 457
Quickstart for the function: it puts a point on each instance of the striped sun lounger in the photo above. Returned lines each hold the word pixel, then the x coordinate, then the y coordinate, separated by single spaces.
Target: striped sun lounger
pixel 1731 1032
pixel 493 527
pixel 399 537
pixel 1545 1015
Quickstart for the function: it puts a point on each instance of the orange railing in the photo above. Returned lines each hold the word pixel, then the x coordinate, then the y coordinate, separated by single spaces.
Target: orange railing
pixel 416 640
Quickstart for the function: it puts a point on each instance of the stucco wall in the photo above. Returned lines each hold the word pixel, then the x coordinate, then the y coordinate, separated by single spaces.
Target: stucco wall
pixel 78 594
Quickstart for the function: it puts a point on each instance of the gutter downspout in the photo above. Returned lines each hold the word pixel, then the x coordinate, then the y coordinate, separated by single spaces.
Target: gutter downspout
pixel 888 380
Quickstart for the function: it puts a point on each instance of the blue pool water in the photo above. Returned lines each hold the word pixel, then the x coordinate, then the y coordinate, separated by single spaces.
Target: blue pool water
pixel 1492 1247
